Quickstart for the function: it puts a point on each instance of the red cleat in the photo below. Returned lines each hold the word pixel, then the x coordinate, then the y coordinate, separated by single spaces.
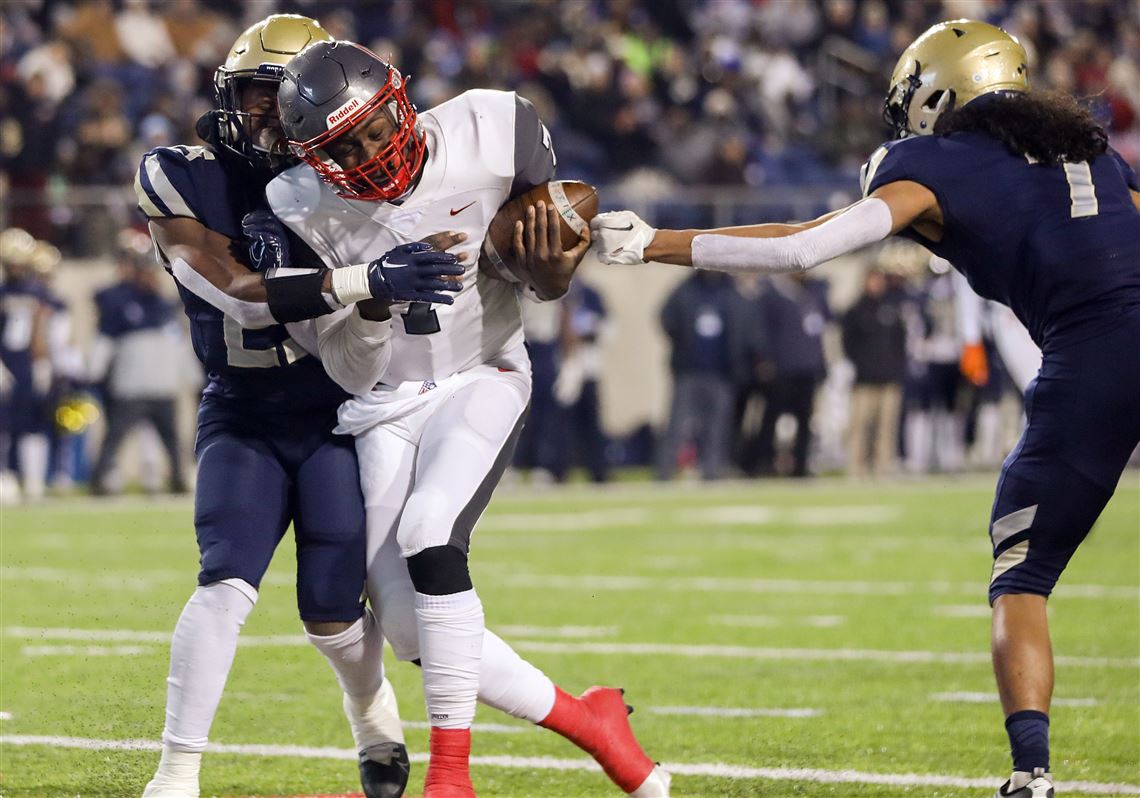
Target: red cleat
pixel 448 773
pixel 598 723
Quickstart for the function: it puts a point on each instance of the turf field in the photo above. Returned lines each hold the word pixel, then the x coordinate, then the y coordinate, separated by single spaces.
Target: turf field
pixel 823 639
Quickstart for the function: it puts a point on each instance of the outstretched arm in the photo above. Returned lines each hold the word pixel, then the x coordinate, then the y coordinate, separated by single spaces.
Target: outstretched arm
pixel 771 248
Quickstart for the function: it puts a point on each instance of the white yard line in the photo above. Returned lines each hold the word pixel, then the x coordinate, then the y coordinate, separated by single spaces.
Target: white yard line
pixel 801 654
pixel 87 651
pixel 567 632
pixel 963 611
pixel 568 521
pixel 823 587
pixel 736 712
pixel 551 647
pixel 709 769
pixel 132 636
pixel 992 698
pixel 768 621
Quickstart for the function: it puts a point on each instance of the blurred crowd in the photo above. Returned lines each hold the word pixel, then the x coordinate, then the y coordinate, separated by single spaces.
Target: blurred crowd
pixel 643 93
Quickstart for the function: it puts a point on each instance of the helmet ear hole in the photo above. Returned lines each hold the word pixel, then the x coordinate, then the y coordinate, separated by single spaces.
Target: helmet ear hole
pixel 933 100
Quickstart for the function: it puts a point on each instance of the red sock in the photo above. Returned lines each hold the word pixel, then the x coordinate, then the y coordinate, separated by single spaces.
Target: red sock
pixel 569 717
pixel 598 724
pixel 449 763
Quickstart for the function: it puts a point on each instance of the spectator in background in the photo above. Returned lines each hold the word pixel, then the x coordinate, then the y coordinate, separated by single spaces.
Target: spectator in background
pixel 140 360
pixel 874 340
pixel 698 318
pixel 26 309
pixel 539 448
pixel 794 312
pixel 576 389
pixel 934 439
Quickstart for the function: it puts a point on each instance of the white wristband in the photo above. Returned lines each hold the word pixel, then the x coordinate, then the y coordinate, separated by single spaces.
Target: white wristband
pixel 350 284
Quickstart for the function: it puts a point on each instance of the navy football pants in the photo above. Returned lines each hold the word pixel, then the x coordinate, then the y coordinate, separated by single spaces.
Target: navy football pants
pixel 1083 414
pixel 254 479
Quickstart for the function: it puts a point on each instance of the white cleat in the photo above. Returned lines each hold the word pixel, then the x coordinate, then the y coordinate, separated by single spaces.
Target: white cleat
pixel 159 787
pixel 656 784
pixel 1037 784
pixel 176 777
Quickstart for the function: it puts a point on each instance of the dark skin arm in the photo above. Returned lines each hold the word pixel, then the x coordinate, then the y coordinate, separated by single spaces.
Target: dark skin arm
pixel 538 246
pixel 911 205
pixel 1136 199
pixel 210 254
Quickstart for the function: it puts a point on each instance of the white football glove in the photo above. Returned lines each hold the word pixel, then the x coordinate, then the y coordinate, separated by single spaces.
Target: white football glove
pixel 621 237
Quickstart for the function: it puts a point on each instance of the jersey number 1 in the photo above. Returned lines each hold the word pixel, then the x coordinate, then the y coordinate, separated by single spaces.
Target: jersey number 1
pixel 1082 192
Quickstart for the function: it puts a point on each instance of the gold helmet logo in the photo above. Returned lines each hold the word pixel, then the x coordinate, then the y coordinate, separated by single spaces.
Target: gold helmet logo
pixel 946 67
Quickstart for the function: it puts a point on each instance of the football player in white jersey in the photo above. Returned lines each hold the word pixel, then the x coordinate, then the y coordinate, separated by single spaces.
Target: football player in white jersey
pixel 437 414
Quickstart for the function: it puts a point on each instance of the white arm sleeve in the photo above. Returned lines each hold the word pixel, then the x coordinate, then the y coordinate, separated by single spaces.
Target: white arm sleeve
pixel 865 222
pixel 251 315
pixel 354 351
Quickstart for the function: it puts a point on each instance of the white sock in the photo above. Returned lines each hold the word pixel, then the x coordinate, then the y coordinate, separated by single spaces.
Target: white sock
pixel 201 652
pixel 177 775
pixel 33 452
pixel 451 644
pixel 510 684
pixel 357 658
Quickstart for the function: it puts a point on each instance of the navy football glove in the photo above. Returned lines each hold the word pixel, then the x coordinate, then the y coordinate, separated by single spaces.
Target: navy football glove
pixel 414 273
pixel 267 240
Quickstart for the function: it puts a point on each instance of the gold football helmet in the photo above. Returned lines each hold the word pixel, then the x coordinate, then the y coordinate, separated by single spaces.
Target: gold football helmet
pixel 946 67
pixel 259 54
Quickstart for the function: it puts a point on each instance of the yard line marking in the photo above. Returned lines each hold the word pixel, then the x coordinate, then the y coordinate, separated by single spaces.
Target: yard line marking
pixel 992 698
pixel 569 521
pixel 801 654
pixel 731 515
pixel 963 611
pixel 747 621
pixel 840 587
pixel 853 514
pixel 737 712
pixel 767 621
pixel 571 632
pixel 710 769
pixel 133 636
pixel 87 651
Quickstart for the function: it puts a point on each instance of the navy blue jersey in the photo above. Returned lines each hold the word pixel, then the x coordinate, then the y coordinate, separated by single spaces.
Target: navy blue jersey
pixel 20 302
pixel 125 308
pixel 263 366
pixel 1058 244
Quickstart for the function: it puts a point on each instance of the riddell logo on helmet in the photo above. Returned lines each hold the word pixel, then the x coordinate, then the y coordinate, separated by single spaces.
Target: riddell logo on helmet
pixel 342 113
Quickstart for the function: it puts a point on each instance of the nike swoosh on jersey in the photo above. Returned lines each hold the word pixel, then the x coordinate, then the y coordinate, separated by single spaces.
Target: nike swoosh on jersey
pixel 461 210
pixel 625 229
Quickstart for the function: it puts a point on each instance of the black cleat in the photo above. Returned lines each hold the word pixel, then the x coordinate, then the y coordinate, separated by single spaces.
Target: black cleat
pixel 384 770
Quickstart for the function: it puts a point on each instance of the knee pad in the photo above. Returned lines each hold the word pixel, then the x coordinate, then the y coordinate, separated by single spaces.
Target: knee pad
pixel 440 571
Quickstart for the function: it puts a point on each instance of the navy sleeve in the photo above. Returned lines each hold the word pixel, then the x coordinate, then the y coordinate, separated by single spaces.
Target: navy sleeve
pixel 177 181
pixel 913 159
pixel 534 155
pixel 1126 171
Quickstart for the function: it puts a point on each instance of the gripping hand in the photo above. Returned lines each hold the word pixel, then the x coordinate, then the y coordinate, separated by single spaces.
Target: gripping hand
pixel 266 239
pixel 414 273
pixel 622 237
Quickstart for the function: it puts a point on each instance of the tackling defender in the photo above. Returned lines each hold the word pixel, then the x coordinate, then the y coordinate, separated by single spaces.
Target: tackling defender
pixel 1022 194
pixel 266 453
pixel 451 386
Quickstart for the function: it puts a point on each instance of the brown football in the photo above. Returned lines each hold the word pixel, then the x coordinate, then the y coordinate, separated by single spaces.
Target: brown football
pixel 577 204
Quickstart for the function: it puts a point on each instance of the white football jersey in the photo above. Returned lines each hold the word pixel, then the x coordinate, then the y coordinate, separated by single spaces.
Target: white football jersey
pixel 467 176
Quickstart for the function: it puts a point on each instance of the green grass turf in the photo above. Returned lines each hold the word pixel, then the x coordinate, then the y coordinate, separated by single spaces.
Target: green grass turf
pixel 131 565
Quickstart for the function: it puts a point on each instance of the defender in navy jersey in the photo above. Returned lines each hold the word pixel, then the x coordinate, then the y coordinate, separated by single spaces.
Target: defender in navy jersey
pixel 266 453
pixel 1020 192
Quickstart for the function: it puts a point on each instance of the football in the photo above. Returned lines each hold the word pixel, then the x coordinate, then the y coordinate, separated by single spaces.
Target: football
pixel 577 204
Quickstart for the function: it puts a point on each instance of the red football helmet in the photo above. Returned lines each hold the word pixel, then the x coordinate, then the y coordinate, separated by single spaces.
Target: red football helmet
pixel 330 88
